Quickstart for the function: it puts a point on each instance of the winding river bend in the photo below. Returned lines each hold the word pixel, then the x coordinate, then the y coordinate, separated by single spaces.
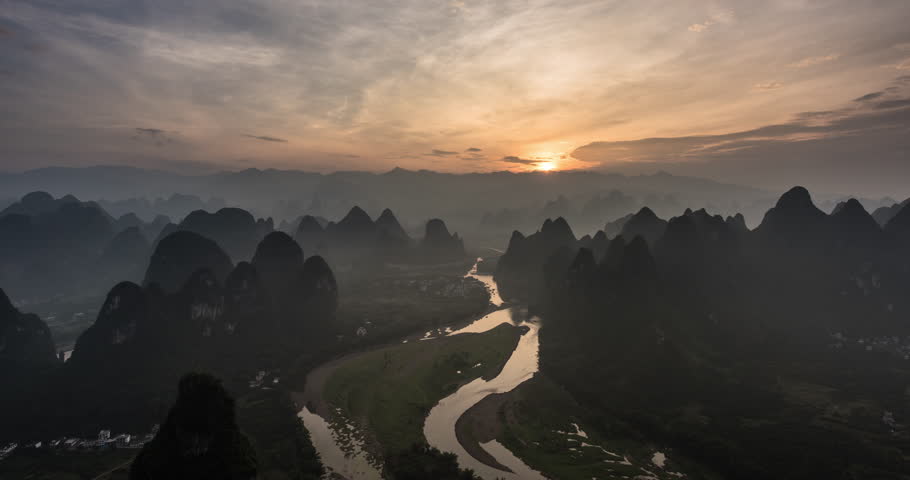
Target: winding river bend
pixel 348 460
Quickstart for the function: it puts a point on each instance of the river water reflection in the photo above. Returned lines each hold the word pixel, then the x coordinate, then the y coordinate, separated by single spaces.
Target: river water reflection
pixel 439 428
pixel 346 459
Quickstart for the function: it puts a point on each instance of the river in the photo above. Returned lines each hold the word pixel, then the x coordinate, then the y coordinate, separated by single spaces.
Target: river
pixel 348 460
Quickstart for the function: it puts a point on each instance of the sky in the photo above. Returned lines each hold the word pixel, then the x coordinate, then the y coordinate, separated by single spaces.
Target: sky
pixel 759 93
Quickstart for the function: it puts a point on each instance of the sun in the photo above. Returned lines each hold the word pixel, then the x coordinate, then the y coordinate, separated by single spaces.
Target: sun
pixel 545 166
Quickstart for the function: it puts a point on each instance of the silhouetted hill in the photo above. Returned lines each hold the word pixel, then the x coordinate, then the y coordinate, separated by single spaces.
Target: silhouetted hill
pixel 852 225
pixel 127 220
pixel 125 256
pixel 319 287
pixel 180 254
pixel 199 438
pixel 794 220
pixel 235 229
pixel 644 224
pixel 61 248
pixel 391 233
pixel 358 243
pixel 519 269
pixel 310 234
pixel 883 215
pixel 279 261
pixel 36 203
pixel 125 317
pixel 52 248
pixel 25 341
pixel 440 245
pixel 355 224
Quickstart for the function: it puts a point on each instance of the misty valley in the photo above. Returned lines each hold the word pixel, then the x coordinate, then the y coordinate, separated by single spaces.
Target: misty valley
pixel 454 240
pixel 213 344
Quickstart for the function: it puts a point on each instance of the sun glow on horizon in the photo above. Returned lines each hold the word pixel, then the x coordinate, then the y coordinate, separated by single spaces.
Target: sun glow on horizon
pixel 545 166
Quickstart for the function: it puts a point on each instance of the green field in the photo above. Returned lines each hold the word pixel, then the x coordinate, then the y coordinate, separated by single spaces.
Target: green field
pixel 391 390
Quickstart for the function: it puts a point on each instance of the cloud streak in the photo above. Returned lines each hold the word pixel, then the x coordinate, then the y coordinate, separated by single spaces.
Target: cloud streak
pixel 812 61
pixel 266 138
pixel 440 153
pixel 822 148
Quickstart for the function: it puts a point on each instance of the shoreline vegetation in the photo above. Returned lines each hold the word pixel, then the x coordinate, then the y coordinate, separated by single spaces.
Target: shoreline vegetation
pixel 390 390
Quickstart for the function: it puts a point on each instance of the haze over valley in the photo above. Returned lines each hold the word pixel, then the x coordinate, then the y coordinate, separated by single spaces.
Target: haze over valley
pixel 455 240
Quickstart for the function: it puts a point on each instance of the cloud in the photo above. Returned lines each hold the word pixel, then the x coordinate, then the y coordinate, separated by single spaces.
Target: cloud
pixel 150 131
pixel 720 17
pixel 900 65
pixel 266 138
pixel 522 161
pixel 869 96
pixel 474 149
pixel 768 86
pixel 440 153
pixel 155 136
pixel 812 61
pixel 857 148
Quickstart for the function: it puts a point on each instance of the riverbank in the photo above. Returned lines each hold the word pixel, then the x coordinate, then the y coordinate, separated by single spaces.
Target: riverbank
pixel 540 423
pixel 389 391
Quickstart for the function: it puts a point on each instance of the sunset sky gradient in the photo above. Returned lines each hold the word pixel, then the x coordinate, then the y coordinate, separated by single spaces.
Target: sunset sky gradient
pixel 455 86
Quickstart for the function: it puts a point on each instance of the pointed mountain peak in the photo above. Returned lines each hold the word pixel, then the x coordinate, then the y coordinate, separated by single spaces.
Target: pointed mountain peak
pixel 387 219
pixel 357 221
pixel 647 224
pixel 557 228
pixel 309 224
pixel 645 213
pixel 546 225
pixel 356 214
pixel 737 222
pixel 387 215
pixel 436 228
pixel 516 239
pixel 794 216
pixel 850 207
